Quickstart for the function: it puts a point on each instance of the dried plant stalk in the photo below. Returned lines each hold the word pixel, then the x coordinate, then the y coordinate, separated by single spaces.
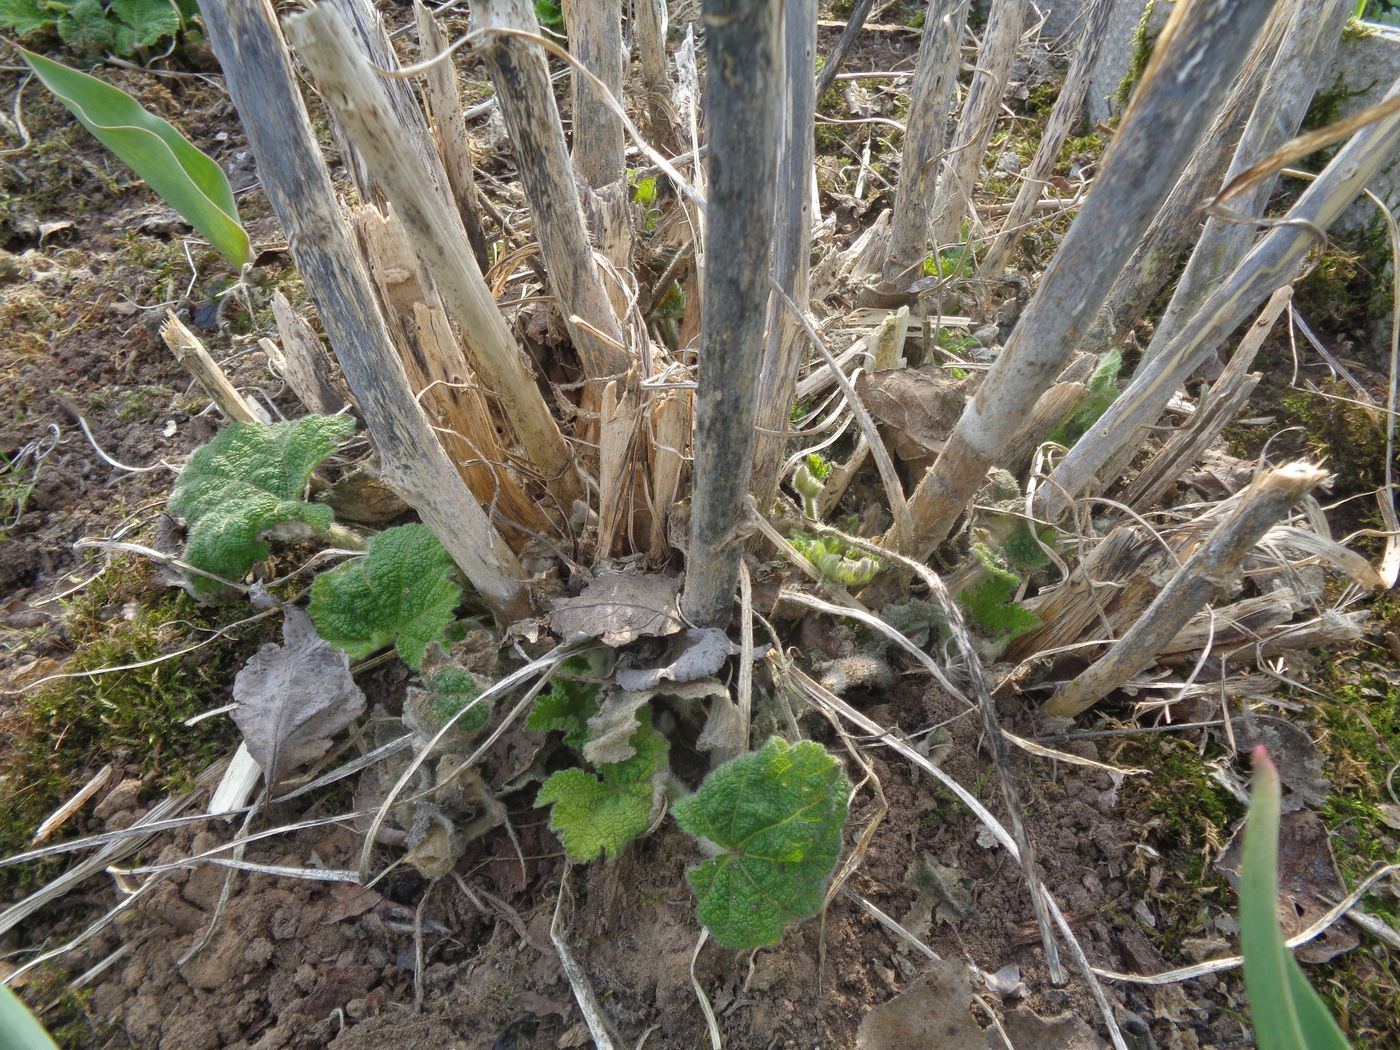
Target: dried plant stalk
pixel 669 446
pixel 1272 263
pixel 302 360
pixel 1177 224
pixel 1204 577
pixel 196 359
pixel 792 248
pixel 444 101
pixel 742 111
pixel 650 18
pixel 979 116
pixel 1068 106
pixel 249 46
pixel 595 39
pixel 1309 42
pixel 1227 395
pixel 521 77
pixel 1210 39
pixel 930 97
pixel 355 93
pixel 438 369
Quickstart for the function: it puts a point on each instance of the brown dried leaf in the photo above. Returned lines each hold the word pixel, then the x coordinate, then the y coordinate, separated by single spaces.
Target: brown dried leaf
pixel 292 698
pixel 618 608
pixel 1308 883
pixel 919 405
pixel 933 1011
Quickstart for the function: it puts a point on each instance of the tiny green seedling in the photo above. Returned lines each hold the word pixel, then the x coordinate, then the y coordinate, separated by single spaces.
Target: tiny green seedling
pixel 837 562
pixel 809 480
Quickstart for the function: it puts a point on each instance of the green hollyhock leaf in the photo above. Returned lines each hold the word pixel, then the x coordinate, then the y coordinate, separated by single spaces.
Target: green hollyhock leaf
pixel 990 602
pixel 250 478
pixel 403 591
pixel 601 814
pixel 569 704
pixel 25 16
pixel 452 689
pixel 776 815
pixel 144 22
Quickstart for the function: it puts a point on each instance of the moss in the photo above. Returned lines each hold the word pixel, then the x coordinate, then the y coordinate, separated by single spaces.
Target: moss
pixel 67 729
pixel 1042 99
pixel 1348 436
pixel 1079 148
pixel 1143 41
pixel 1358 709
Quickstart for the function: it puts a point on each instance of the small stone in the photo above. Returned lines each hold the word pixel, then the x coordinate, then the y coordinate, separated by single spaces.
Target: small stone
pixel 122 797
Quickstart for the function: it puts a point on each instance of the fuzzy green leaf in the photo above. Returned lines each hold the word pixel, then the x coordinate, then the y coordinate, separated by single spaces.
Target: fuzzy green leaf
pixel 1287 1013
pixel 403 591
pixel 452 689
pixel 25 16
pixel 990 602
pixel 777 815
pixel 1103 391
pixel 248 479
pixel 144 23
pixel 568 705
pixel 1022 550
pixel 601 814
pixel 180 174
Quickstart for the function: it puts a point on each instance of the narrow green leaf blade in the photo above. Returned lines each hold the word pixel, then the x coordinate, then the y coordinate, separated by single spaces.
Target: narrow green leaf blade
pixel 186 179
pixel 1287 1012
pixel 19 1030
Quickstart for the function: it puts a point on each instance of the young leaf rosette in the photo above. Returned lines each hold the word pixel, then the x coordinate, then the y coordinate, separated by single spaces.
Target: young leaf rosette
pixel 775 816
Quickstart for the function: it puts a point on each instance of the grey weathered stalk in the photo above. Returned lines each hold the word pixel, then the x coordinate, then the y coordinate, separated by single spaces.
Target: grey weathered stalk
pixel 595 39
pixel 367 29
pixel 259 78
pixel 742 110
pixel 650 16
pixel 930 97
pixel 1068 106
pixel 449 121
pixel 1270 264
pixel 1195 61
pixel 1177 225
pixel 354 92
pixel 302 361
pixel 1205 577
pixel 1308 44
pixel 792 247
pixel 521 77
pixel 855 22
pixel 979 116
pixel 1216 410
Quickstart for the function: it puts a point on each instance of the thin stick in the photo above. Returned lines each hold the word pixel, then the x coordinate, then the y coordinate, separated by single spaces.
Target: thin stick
pixel 196 359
